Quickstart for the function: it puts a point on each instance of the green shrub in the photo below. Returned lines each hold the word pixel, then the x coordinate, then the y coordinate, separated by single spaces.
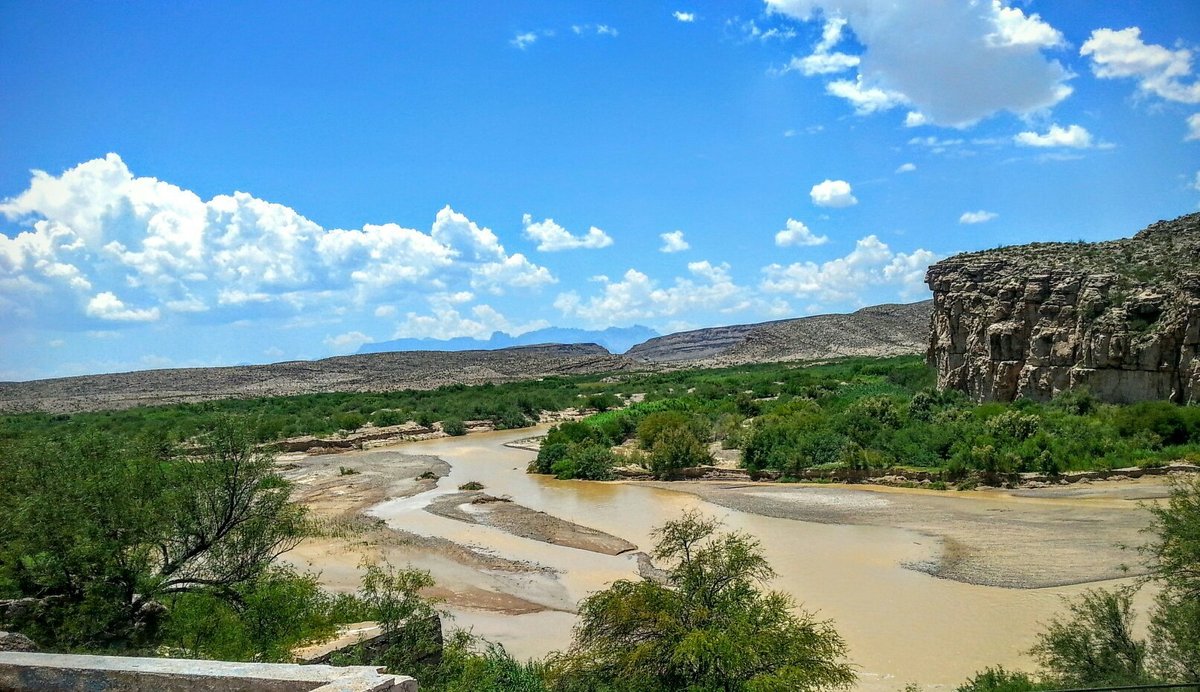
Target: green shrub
pixel 387 416
pixel 677 448
pixel 592 462
pixel 548 455
pixel 454 427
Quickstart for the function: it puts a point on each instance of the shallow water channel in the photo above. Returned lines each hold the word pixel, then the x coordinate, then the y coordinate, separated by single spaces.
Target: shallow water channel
pixel 901 625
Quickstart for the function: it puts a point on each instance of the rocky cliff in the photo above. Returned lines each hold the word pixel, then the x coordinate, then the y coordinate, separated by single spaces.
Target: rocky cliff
pixel 1121 318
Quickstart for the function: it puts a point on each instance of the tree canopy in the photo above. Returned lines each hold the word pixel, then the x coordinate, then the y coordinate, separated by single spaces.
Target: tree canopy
pixel 708 626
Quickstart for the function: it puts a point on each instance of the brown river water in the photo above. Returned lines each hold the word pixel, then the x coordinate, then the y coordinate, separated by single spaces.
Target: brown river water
pixel 901 625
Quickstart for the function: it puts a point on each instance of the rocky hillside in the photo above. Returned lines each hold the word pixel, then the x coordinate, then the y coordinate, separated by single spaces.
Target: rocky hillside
pixel 1120 317
pixel 881 330
pixel 374 372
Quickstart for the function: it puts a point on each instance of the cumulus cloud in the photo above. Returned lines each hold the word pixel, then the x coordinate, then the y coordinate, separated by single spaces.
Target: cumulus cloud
pixel 637 296
pixel 934 55
pixel 915 119
pixel 552 238
pixel 1158 70
pixel 100 241
pixel 107 306
pixel 673 242
pixel 1073 136
pixel 796 233
pixel 1193 123
pixel 871 263
pixel 974 217
pixel 906 168
pixel 685 17
pixel 832 193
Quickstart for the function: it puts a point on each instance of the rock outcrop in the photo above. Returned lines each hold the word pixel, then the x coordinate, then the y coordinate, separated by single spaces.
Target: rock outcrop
pixel 1121 318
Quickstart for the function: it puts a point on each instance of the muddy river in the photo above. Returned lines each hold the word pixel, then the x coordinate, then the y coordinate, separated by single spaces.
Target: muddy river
pixel 902 624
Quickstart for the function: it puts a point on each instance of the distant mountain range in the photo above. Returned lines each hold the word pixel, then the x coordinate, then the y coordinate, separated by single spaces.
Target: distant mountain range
pixel 615 339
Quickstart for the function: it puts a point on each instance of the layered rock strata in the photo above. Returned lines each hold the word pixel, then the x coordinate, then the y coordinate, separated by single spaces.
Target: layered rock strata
pixel 1121 318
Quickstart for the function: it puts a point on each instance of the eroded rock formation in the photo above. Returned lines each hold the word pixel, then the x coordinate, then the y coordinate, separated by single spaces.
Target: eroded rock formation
pixel 1121 318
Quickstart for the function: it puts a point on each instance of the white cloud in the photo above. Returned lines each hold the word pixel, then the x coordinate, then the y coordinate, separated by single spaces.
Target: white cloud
pixel 751 31
pixel 673 242
pixel 1193 123
pixel 685 17
pixel 865 99
pixel 915 119
pixel 871 263
pixel 524 40
pixel 446 322
pixel 973 217
pixel 639 297
pixel 385 311
pixel 349 341
pixel 1013 28
pixel 1073 136
pixel 1158 70
pixel 97 231
pixel 796 233
pixel 597 29
pixel 934 55
pixel 823 59
pixel 832 193
pixel 938 145
pixel 107 306
pixel 906 168
pixel 552 238
pixel 1196 182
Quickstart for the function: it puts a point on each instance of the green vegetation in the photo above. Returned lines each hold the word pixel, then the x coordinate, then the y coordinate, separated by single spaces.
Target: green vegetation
pixel 157 529
pixel 863 414
pixel 103 532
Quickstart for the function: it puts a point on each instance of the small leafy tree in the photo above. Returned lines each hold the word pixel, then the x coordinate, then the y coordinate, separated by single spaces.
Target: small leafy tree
pixel 454 427
pixel 1095 646
pixel 709 627
pixel 1174 556
pixel 100 531
pixel 675 449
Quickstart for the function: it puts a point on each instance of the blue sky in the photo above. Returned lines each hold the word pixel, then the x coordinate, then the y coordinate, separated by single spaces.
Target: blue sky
pixel 191 184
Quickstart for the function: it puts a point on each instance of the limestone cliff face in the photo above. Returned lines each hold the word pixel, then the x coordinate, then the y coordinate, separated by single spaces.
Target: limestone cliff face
pixel 1121 318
